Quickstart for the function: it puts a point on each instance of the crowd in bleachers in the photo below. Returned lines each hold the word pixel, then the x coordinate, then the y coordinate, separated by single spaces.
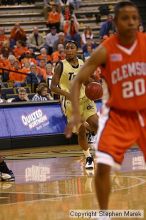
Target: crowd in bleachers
pixel 28 60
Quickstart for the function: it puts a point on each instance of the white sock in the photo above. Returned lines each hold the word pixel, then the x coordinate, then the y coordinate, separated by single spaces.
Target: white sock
pixel 87 153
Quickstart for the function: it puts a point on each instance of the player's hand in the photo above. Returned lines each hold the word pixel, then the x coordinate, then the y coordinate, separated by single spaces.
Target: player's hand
pixel 74 123
pixel 26 97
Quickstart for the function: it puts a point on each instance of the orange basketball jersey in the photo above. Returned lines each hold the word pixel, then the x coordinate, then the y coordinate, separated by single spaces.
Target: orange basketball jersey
pixel 125 73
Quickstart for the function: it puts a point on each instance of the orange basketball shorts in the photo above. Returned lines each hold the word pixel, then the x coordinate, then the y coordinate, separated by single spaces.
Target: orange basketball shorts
pixel 118 131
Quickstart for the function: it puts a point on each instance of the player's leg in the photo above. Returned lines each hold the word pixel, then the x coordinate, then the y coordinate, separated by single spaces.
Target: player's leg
pixel 82 141
pixel 89 113
pixel 82 138
pixel 116 134
pixel 92 126
pixel 5 173
pixel 102 185
pixel 93 123
pixel 142 138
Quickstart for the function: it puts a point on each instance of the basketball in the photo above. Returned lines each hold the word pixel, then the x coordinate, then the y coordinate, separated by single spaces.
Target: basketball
pixel 94 91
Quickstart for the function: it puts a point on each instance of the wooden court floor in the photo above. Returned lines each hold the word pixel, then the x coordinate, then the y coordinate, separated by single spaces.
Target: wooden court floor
pixel 51 181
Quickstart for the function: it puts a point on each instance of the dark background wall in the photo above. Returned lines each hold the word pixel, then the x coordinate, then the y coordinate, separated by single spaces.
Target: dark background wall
pixel 142 8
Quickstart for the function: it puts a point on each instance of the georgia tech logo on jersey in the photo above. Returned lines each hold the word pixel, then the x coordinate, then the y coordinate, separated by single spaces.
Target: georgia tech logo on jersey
pixel 115 57
pixel 90 107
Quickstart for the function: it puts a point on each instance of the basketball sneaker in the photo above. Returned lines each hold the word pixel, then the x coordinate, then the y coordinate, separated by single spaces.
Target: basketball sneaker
pixel 8 177
pixel 89 163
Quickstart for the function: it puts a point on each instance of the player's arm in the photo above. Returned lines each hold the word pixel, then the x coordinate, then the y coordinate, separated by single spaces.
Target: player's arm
pixel 98 58
pixel 55 81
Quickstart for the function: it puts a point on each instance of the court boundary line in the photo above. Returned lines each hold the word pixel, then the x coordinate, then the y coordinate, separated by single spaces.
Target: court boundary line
pixel 70 195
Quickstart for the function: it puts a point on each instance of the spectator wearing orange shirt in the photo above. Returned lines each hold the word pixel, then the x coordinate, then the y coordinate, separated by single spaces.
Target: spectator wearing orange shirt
pixel 42 68
pixel 5 49
pixel 26 65
pixel 3 37
pixel 17 33
pixel 59 54
pixel 54 18
pixel 11 60
pixel 29 56
pixel 71 29
pixel 44 55
pixel 18 78
pixel 1 64
pixel 19 49
pixel 4 63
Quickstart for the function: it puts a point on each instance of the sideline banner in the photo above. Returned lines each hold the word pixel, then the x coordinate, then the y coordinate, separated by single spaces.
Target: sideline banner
pixel 4 132
pixel 35 120
pixel 32 120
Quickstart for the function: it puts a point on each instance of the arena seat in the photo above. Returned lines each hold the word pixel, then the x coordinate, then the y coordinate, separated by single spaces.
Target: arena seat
pixel 6 91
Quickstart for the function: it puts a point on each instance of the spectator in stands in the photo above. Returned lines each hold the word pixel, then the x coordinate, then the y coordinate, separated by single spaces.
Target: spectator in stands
pixel 88 53
pixel 106 26
pixel 34 78
pixel 30 56
pixel 36 40
pixel 42 68
pixel 50 40
pixel 5 49
pixel 25 65
pixel 54 18
pixel 19 49
pixel 59 54
pixel 105 37
pixel 22 95
pixel 7 63
pixel 61 40
pixel 71 29
pixel 11 60
pixel 17 33
pixel 4 63
pixel 49 69
pixel 16 74
pixel 87 33
pixel 49 73
pixel 141 28
pixel 43 93
pixel 66 13
pixel 67 8
pixel 89 42
pixel 3 37
pixel 44 55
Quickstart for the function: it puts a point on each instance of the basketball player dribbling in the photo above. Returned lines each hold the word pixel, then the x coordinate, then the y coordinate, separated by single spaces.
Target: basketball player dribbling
pixel 123 118
pixel 64 72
